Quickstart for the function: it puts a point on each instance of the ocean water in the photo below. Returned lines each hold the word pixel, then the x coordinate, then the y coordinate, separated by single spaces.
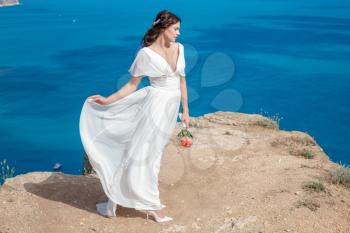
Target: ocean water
pixel 279 58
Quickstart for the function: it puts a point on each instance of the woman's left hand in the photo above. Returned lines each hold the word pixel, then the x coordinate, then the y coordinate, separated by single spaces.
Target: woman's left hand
pixel 99 99
pixel 185 117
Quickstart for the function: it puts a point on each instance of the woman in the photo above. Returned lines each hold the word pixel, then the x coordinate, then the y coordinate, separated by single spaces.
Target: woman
pixel 124 135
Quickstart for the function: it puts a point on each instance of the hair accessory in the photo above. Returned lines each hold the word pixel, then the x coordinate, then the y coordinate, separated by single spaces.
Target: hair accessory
pixel 155 22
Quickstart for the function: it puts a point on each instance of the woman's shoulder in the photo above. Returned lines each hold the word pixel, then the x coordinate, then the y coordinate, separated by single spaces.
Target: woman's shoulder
pixel 179 44
pixel 142 51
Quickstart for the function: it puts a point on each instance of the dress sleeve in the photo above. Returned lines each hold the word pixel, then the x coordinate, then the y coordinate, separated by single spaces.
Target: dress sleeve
pixel 143 66
pixel 139 66
pixel 183 63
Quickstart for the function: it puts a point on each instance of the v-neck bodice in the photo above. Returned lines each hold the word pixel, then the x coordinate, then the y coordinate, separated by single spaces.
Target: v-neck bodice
pixel 167 63
pixel 151 64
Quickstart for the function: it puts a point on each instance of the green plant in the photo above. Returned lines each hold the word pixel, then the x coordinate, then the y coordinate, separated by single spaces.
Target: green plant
pixel 306 141
pixel 269 121
pixel 87 171
pixel 6 171
pixel 341 175
pixel 184 132
pixel 310 204
pixel 314 187
pixel 307 154
pixel 293 140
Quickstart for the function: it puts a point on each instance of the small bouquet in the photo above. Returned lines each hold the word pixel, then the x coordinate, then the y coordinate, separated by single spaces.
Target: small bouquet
pixel 185 136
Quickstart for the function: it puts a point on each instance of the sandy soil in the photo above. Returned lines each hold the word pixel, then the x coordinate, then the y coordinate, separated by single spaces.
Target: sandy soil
pixel 239 176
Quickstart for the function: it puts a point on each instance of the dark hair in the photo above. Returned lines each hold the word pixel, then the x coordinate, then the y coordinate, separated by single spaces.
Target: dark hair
pixel 163 20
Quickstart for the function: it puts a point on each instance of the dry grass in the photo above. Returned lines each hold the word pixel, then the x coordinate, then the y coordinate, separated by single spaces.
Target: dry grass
pixel 341 175
pixel 266 123
pixel 306 153
pixel 5 171
pixel 310 204
pixel 293 141
pixel 313 186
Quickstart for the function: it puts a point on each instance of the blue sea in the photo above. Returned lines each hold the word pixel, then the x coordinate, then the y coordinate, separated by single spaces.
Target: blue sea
pixel 285 59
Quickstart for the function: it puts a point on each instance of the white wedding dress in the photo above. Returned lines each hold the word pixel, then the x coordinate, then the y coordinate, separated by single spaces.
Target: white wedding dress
pixel 125 140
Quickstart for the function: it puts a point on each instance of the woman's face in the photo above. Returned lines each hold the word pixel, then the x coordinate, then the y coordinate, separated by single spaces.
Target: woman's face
pixel 172 32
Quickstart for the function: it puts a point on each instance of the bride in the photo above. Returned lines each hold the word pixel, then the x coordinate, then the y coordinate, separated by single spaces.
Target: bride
pixel 125 134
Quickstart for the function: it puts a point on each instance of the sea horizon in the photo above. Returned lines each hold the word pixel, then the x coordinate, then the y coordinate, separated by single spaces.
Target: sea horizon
pixel 286 60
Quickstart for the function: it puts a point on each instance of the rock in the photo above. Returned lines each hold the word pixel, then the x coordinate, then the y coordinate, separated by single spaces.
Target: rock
pixel 241 222
pixel 87 168
pixel 174 228
pixel 195 226
pixel 8 2
pixel 57 166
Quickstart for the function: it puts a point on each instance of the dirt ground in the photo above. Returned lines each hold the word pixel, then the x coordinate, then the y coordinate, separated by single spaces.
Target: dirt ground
pixel 240 175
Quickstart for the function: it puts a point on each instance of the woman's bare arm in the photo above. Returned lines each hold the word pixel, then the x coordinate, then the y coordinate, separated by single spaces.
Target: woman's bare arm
pixel 184 100
pixel 125 90
pixel 183 88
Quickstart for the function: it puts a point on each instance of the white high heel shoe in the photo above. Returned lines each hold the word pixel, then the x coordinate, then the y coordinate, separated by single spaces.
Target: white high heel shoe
pixel 107 209
pixel 157 218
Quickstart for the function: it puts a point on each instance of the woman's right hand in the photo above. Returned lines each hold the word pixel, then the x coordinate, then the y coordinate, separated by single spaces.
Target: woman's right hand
pixel 99 99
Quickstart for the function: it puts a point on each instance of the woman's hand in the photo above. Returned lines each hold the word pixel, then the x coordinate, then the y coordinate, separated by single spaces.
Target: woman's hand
pixel 99 99
pixel 185 117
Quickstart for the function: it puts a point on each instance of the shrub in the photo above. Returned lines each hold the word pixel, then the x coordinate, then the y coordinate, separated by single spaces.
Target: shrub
pixel 307 154
pixel 314 187
pixel 306 141
pixel 311 205
pixel 268 121
pixel 341 175
pixel 6 171
pixel 293 140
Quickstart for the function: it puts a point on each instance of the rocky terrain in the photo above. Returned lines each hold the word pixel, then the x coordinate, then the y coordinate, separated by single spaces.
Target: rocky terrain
pixel 242 174
pixel 8 2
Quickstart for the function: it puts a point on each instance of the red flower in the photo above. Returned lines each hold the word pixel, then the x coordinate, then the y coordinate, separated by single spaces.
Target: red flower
pixel 185 137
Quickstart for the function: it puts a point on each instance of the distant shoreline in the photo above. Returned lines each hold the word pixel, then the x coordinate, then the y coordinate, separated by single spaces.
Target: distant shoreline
pixel 4 3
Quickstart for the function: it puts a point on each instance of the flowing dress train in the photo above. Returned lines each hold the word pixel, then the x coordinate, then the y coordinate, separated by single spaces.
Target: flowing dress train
pixel 125 140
